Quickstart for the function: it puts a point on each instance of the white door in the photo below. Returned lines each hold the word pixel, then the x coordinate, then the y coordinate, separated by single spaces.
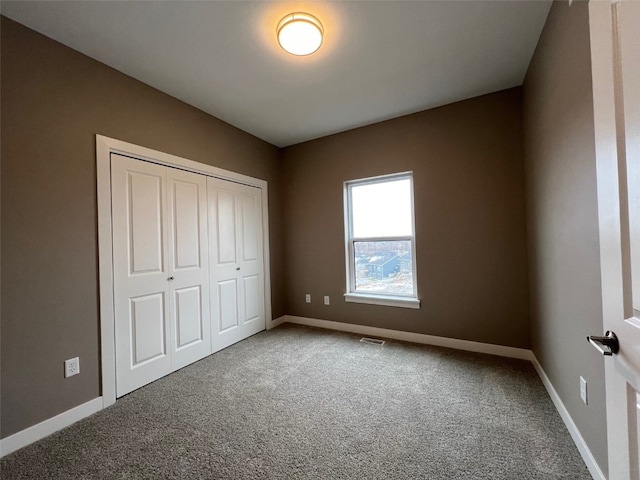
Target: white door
pixel 615 44
pixel 160 269
pixel 188 258
pixel 236 262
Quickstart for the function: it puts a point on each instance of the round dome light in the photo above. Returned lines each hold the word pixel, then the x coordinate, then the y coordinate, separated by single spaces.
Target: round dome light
pixel 300 33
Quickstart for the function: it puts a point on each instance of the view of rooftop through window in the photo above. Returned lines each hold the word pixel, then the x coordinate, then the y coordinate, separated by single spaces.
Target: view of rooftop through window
pixel 384 268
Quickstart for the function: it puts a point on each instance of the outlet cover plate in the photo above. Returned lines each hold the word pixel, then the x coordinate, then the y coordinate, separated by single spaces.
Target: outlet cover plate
pixel 71 367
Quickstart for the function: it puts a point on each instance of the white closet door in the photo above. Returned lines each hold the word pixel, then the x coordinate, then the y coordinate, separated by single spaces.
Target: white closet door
pixel 188 267
pixel 236 262
pixel 141 289
pixel 161 277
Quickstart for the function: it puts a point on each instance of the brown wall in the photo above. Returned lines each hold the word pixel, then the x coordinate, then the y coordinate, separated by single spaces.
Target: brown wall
pixel 562 217
pixel 466 160
pixel 54 102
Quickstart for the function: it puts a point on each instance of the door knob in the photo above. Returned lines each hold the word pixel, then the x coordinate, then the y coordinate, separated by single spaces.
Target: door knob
pixel 607 345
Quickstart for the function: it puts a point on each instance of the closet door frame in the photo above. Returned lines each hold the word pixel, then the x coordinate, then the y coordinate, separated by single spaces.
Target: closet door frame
pixel 106 146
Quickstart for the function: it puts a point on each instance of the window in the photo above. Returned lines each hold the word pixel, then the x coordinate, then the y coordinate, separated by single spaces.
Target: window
pixel 380 241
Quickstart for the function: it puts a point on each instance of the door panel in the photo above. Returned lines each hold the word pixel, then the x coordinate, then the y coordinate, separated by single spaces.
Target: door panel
pixel 188 313
pixel 187 229
pixel 250 241
pixel 140 271
pixel 145 216
pixel 188 247
pixel 634 453
pixel 237 269
pixel 227 301
pixel 251 264
pixel 226 222
pixel 147 323
pixel 252 298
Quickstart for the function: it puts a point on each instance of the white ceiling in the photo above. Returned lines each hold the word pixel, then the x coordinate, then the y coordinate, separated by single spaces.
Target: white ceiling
pixel 380 59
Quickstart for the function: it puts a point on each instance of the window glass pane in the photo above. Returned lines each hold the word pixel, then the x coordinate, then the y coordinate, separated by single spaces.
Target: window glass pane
pixel 382 209
pixel 384 268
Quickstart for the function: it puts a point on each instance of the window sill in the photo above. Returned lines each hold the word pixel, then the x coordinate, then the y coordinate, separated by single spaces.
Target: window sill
pixel 386 300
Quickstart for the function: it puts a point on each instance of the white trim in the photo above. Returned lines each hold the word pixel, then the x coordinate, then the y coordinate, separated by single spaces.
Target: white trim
pixel 105 146
pixel 468 345
pixel 586 454
pixel 386 300
pixel 105 272
pixel 277 322
pixel 162 158
pixel 266 258
pixel 44 429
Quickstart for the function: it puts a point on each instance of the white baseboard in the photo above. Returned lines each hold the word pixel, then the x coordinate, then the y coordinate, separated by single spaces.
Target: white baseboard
pixel 46 428
pixel 586 454
pixel 470 346
pixel 276 322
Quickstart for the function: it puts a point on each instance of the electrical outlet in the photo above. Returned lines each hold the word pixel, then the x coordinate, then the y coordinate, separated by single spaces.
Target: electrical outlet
pixel 71 367
pixel 583 390
pixel 326 300
pixel 307 298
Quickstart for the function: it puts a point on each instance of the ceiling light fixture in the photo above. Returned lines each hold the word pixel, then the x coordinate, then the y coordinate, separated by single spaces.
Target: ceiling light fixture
pixel 300 33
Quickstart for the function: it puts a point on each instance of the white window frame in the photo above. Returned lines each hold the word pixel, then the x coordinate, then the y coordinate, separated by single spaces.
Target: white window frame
pixel 372 298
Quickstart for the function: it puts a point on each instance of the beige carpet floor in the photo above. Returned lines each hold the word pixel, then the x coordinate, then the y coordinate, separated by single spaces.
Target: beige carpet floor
pixel 303 403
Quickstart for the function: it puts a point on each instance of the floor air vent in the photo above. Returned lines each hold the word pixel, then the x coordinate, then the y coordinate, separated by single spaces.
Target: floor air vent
pixel 374 341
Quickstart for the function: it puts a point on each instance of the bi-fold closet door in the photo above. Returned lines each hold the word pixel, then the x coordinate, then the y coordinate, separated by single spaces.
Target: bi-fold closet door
pixel 188 270
pixel 236 256
pixel 161 270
